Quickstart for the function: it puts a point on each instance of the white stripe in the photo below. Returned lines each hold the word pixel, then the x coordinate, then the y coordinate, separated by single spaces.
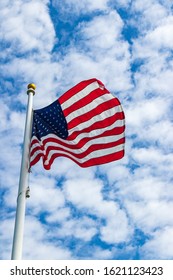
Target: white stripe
pixel 80 127
pixel 92 105
pixel 97 132
pixel 94 154
pixel 35 145
pixel 104 115
pixel 91 134
pixel 79 95
pixel 101 140
pixel 36 153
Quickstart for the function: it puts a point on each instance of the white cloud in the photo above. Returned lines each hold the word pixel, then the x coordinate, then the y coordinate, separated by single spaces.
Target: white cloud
pixel 155 215
pixel 27 26
pixel 156 39
pixel 77 7
pixel 146 112
pixel 43 191
pixel 117 228
pixel 160 245
pixel 84 228
pixel 12 123
pixel 151 156
pixel 115 172
pixel 36 236
pixel 163 136
pixel 103 31
pixel 162 36
pixel 99 52
pixel 121 3
pixel 99 254
pixel 61 215
pixel 152 10
pixel 28 38
pixel 90 198
pixel 89 195
pixel 6 231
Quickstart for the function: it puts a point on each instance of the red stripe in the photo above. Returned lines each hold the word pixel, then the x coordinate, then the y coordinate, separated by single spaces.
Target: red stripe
pixel 68 94
pixel 92 113
pixel 104 159
pixel 84 140
pixel 85 100
pixel 91 162
pixel 104 123
pixel 78 145
pixel 94 147
pixel 36 159
pixel 34 141
pixel 37 148
pixel 99 124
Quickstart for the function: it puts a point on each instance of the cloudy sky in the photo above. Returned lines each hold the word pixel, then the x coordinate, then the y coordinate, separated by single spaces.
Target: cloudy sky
pixel 121 210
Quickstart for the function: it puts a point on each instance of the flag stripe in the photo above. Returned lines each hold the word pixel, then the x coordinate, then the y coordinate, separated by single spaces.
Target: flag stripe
pixel 76 104
pixel 82 89
pixel 83 161
pixel 95 129
pixel 81 146
pixel 88 111
pixel 75 139
pixel 93 147
pixel 102 159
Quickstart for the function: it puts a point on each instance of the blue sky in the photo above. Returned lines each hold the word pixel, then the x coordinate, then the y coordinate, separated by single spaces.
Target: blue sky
pixel 121 210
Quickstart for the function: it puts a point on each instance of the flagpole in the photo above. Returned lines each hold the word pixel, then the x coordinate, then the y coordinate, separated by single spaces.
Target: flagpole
pixel 23 181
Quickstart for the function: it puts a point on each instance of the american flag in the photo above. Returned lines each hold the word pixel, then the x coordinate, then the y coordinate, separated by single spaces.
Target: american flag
pixel 86 124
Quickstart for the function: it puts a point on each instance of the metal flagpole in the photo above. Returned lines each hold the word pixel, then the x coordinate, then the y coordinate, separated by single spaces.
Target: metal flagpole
pixel 23 191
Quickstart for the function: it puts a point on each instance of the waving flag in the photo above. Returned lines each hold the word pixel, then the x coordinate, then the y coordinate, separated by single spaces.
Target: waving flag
pixel 86 124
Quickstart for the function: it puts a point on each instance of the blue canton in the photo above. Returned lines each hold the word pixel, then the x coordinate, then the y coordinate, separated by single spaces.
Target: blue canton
pixel 49 120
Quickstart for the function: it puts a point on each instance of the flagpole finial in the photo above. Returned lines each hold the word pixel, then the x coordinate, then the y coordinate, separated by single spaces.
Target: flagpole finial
pixel 31 88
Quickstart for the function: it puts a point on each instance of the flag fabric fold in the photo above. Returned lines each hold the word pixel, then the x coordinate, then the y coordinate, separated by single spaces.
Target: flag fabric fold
pixel 86 124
